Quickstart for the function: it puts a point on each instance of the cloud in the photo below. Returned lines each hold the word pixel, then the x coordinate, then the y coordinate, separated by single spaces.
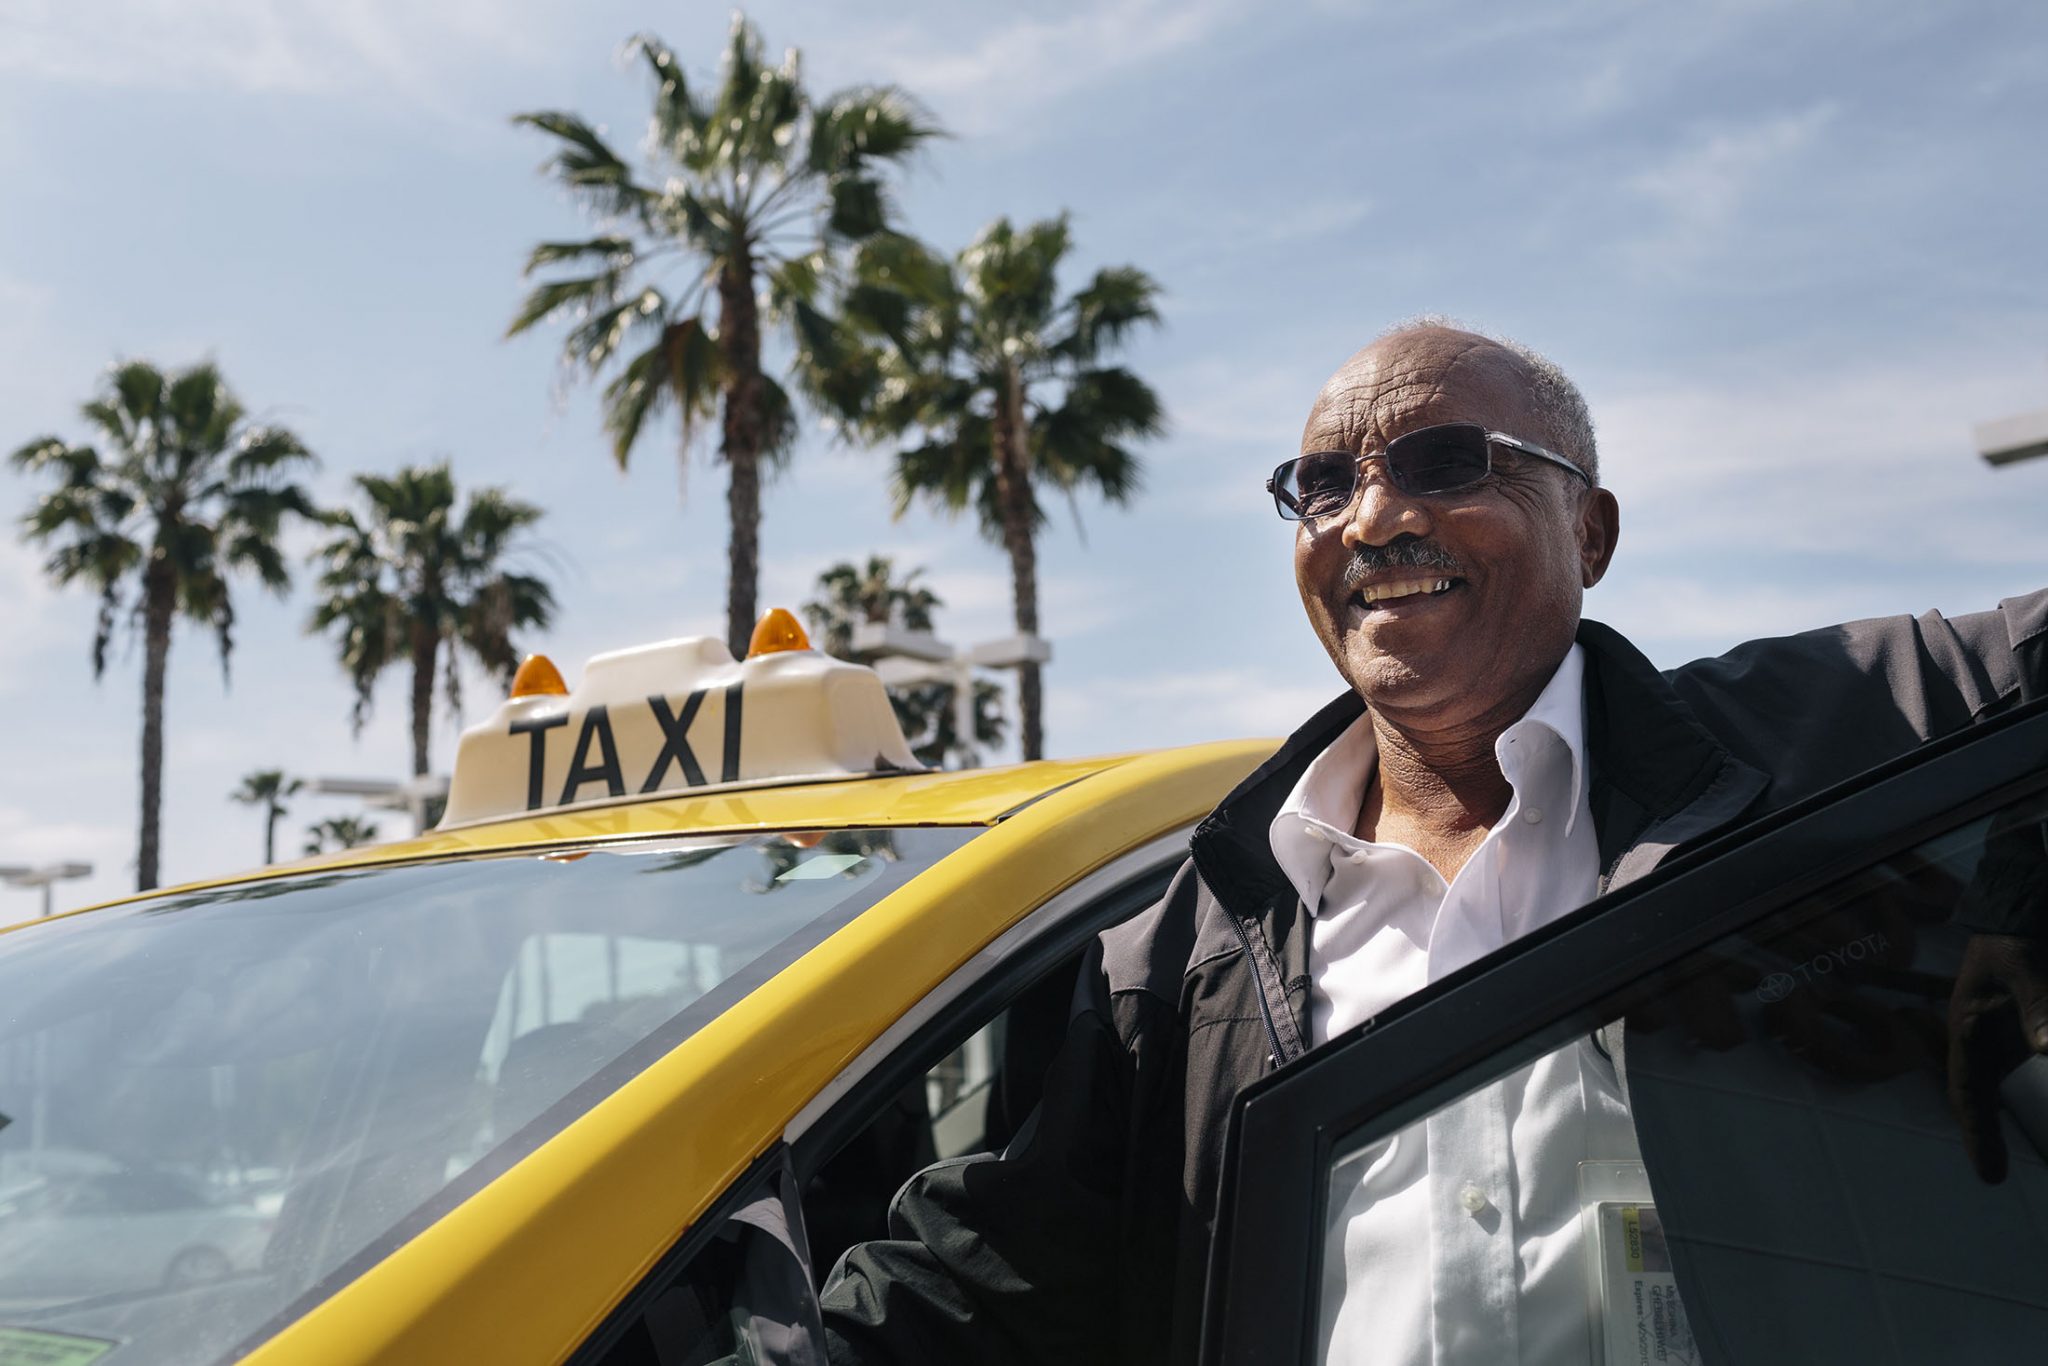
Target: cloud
pixel 988 84
pixel 1869 458
pixel 1182 707
pixel 1768 501
pixel 271 46
pixel 1704 188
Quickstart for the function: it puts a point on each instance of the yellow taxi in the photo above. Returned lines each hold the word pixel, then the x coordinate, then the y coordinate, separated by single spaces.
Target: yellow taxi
pixel 699 965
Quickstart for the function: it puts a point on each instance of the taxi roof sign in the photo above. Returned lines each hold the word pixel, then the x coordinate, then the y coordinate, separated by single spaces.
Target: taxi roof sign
pixel 678 716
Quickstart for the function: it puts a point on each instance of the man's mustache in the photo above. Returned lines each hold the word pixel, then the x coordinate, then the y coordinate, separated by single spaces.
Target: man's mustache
pixel 1406 552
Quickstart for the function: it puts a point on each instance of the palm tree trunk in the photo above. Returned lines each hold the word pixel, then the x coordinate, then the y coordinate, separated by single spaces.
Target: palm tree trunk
pixel 1013 497
pixel 271 812
pixel 425 647
pixel 158 602
pixel 745 434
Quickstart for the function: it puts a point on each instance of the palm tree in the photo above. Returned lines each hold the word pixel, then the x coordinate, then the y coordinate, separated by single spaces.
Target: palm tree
pixel 267 788
pixel 1003 383
pixel 339 832
pixel 850 594
pixel 753 185
pixel 181 493
pixel 417 575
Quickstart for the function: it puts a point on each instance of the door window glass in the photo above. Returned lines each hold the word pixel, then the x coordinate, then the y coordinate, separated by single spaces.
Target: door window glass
pixel 1807 1190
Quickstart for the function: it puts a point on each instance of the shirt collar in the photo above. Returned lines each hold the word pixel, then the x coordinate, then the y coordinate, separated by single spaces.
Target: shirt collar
pixel 1326 798
pixel 1323 805
pixel 1559 709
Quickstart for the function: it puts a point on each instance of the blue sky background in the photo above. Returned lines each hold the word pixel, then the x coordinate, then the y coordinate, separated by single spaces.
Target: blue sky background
pixel 1790 251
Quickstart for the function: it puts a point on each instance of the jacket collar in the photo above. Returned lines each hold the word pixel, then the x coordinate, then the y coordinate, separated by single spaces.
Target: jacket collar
pixel 1659 778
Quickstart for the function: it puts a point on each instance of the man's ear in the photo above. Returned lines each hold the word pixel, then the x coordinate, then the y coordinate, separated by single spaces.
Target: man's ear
pixel 1599 529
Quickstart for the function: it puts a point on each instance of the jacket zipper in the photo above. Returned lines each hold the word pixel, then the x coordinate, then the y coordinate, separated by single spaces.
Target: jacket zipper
pixel 1244 939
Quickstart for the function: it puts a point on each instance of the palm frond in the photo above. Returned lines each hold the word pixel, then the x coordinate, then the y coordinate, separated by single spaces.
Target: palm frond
pixel 677 124
pixel 859 206
pixel 1011 276
pixel 834 368
pixel 681 367
pixel 75 465
pixel 199 411
pixel 1104 312
pixel 138 388
pixel 953 472
pixel 262 452
pixel 613 253
pixel 593 342
pixel 778 423
pixel 553 296
pixel 869 123
pixel 586 164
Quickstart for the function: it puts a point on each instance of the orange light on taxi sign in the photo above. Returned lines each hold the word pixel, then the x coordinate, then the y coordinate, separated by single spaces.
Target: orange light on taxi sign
pixel 538 677
pixel 777 631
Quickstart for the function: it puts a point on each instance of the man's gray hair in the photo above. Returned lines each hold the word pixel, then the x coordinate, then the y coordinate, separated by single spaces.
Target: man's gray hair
pixel 1564 410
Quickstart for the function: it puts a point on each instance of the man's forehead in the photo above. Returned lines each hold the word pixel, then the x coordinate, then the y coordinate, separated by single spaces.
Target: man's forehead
pixel 1414 379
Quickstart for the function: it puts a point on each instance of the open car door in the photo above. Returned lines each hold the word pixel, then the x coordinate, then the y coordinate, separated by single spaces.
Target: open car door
pixel 1778 1003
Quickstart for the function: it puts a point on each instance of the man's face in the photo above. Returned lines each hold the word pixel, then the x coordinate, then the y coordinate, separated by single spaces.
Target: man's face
pixel 1519 549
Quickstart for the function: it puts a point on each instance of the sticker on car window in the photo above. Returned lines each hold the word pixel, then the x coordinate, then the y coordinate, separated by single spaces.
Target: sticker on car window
pixel 33 1347
pixel 1637 1318
pixel 823 865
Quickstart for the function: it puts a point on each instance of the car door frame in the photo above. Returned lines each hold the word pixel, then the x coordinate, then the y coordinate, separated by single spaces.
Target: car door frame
pixel 1538 994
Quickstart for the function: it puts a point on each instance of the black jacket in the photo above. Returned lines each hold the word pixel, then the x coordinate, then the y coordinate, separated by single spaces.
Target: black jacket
pixel 1089 1239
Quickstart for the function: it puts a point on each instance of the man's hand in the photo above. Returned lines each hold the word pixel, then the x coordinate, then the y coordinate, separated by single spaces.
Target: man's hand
pixel 1997 1015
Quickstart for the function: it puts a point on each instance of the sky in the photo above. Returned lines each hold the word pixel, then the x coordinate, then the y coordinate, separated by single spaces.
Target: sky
pixel 1791 252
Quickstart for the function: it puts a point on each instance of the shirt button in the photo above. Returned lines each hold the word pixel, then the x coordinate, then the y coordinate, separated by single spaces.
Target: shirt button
pixel 1472 1198
pixel 1534 815
pixel 1357 856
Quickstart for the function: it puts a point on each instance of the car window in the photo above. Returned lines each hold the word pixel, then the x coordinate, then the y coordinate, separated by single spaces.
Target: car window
pixel 222 1106
pixel 1763 1161
pixel 964 1082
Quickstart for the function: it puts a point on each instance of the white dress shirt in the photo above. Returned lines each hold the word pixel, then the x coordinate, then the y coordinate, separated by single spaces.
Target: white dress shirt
pixel 1457 1241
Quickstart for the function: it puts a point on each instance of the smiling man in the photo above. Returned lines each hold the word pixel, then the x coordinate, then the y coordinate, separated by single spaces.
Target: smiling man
pixel 1495 763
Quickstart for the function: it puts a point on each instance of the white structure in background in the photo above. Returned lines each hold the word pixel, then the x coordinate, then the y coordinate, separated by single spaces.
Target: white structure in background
pixel 905 658
pixel 381 794
pixel 44 876
pixel 2009 440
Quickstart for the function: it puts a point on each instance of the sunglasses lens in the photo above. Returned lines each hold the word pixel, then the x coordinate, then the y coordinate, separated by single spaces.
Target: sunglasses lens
pixel 1316 485
pixel 1438 459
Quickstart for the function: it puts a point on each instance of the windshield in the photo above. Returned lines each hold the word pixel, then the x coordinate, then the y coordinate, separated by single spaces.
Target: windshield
pixel 217 1108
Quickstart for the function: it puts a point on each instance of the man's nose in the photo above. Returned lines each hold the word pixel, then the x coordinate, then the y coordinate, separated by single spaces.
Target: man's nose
pixel 1379 512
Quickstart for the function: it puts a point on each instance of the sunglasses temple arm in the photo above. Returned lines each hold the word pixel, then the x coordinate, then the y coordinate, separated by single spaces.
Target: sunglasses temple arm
pixel 1531 448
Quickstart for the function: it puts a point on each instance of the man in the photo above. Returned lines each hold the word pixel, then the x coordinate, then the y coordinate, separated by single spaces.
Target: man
pixel 1496 763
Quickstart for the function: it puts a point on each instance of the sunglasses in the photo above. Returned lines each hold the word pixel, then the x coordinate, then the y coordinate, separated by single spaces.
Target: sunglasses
pixel 1442 459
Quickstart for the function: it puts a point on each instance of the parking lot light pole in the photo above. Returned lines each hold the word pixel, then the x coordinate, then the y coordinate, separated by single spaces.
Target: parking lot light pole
pixel 2009 440
pixel 906 658
pixel 45 876
pixel 383 794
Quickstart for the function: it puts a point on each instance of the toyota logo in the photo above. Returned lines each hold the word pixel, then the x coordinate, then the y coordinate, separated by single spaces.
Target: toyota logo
pixel 1775 987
